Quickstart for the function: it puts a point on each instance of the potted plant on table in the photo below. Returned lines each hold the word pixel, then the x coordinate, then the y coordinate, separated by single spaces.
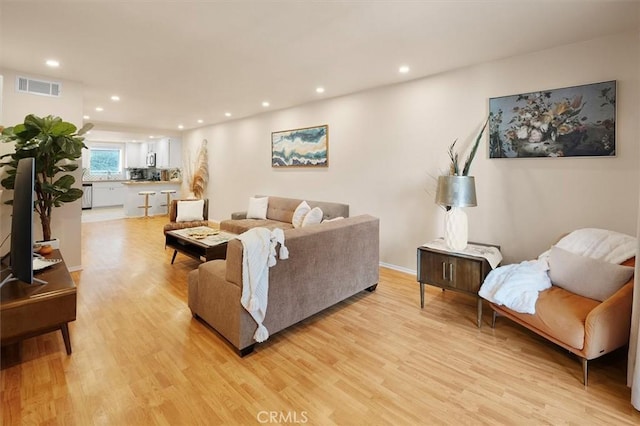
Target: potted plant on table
pixel 455 191
pixel 56 146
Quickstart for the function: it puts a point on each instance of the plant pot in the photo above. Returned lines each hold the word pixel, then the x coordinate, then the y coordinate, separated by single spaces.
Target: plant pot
pixel 54 243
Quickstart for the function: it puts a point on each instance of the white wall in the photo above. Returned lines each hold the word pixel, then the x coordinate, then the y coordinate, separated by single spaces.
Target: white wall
pixel 66 223
pixel 384 145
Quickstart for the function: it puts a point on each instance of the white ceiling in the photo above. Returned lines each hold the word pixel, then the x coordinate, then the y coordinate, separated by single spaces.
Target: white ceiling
pixel 174 63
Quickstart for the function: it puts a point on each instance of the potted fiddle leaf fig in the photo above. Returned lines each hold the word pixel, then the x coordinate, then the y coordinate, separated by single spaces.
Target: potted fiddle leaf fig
pixel 56 146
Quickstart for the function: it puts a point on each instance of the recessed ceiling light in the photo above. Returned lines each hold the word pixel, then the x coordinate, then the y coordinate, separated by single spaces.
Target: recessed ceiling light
pixel 99 109
pixel 403 69
pixel 227 114
pixel 265 104
pixel 319 89
pixel 180 126
pixel 86 117
pixel 200 121
pixel 52 63
pixel 115 98
pixel 150 136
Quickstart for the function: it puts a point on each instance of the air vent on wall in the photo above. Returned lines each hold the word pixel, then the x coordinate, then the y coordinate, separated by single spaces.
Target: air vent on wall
pixel 38 87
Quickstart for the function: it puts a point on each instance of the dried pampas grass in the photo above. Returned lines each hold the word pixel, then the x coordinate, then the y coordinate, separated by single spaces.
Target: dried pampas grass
pixel 199 178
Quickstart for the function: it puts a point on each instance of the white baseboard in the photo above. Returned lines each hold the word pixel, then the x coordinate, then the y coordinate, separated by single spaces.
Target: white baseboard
pixel 398 268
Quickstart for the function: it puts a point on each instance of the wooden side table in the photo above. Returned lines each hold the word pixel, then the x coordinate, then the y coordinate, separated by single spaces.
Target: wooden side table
pixel 30 310
pixel 453 271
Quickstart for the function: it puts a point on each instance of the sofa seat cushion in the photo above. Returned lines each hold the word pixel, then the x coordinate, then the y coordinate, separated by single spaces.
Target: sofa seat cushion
pixel 238 226
pixel 560 314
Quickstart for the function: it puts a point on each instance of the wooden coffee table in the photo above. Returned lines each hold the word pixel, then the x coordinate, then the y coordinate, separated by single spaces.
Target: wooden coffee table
pixel 193 243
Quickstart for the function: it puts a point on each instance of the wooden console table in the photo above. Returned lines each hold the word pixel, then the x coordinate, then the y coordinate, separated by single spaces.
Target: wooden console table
pixel 30 310
pixel 453 271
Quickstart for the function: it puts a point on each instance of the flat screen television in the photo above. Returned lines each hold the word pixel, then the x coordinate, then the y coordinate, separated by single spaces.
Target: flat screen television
pixel 21 252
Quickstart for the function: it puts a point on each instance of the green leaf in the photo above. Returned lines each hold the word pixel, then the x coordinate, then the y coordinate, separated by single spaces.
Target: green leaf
pixel 85 129
pixel 63 129
pixel 71 195
pixel 65 182
pixel 472 154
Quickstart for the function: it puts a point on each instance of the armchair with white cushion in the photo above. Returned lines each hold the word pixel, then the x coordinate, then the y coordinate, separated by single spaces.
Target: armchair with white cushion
pixel 585 304
pixel 187 214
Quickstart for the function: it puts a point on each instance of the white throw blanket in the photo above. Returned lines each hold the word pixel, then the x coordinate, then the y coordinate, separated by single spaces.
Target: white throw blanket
pixel 517 286
pixel 609 246
pixel 258 255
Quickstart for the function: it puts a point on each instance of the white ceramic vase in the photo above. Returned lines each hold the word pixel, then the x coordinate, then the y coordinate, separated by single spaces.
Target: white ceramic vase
pixel 456 229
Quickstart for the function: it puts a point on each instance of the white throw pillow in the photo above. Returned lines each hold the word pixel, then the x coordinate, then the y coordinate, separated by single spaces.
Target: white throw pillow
pixel 299 214
pixel 257 208
pixel 314 217
pixel 333 220
pixel 190 210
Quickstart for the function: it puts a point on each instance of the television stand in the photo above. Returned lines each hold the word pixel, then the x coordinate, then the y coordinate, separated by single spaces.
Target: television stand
pixel 30 310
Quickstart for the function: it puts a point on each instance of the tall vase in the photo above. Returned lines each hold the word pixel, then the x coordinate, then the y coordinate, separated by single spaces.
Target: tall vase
pixel 456 229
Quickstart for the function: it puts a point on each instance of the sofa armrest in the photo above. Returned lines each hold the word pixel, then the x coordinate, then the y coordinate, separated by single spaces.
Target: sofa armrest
pixel 608 325
pixel 238 215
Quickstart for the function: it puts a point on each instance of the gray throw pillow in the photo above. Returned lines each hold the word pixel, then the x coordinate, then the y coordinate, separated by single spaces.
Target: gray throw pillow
pixel 592 278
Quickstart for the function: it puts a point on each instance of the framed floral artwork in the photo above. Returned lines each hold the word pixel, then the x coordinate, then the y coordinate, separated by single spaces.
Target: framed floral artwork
pixel 573 121
pixel 307 147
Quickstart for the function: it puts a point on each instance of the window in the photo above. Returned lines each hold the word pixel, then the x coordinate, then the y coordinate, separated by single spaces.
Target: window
pixel 105 161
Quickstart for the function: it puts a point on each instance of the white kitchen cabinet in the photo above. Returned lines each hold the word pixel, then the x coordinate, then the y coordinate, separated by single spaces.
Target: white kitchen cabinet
pixel 175 153
pixel 134 157
pixel 106 194
pixel 162 153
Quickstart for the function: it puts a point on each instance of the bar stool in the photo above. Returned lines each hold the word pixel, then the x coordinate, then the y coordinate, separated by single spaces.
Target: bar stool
pixel 168 192
pixel 146 201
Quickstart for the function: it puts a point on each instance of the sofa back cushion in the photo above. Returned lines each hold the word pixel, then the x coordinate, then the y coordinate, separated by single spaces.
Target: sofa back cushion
pixel 587 277
pixel 281 208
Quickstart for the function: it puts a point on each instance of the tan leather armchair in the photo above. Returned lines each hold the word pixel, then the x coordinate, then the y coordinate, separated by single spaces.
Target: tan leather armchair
pixel 583 326
pixel 173 224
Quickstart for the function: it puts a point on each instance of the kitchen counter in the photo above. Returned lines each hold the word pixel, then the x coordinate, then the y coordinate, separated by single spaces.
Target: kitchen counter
pixel 85 181
pixel 130 182
pixel 158 202
pixel 151 182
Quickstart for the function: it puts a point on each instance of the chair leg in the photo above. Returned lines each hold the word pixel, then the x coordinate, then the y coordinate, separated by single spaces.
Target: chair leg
pixel 584 371
pixel 493 319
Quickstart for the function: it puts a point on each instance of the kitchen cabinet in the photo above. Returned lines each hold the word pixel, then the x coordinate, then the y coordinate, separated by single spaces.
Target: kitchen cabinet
pixel 175 153
pixel 106 194
pixel 134 157
pixel 162 153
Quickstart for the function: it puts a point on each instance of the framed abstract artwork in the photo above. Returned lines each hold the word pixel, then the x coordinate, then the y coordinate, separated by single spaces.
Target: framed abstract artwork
pixel 573 121
pixel 306 147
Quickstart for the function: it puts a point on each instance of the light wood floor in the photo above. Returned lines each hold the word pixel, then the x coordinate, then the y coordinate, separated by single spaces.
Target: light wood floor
pixel 140 358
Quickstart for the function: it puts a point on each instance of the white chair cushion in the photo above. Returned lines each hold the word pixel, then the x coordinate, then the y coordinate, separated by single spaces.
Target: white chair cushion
pixel 189 211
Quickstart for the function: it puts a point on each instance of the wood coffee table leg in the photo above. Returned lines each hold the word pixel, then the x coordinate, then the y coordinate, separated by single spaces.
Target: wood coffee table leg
pixel 65 336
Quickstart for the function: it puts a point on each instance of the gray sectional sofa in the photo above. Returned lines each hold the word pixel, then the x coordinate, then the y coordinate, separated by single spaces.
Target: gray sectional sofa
pixel 327 263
